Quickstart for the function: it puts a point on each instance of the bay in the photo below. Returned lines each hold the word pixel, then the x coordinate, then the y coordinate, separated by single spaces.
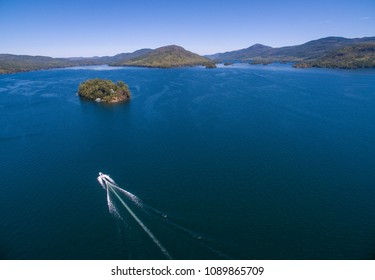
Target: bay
pixel 238 162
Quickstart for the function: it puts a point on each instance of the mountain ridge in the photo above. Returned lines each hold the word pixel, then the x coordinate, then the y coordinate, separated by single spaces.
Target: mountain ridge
pixel 310 50
pixel 257 48
pixel 176 56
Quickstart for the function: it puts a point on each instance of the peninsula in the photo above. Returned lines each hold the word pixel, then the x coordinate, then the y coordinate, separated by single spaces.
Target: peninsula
pixel 104 91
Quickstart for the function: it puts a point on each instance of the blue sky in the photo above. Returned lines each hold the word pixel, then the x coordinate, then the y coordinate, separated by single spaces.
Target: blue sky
pixel 88 28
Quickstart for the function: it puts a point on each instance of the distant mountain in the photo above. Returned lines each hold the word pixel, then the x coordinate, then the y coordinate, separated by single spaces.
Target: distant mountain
pixel 325 52
pixel 317 48
pixel 360 55
pixel 119 58
pixel 166 57
pixel 10 63
pixel 20 63
pixel 243 54
pixel 311 50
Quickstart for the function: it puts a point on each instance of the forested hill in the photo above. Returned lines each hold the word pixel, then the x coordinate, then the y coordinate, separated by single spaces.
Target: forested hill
pixel 360 55
pixel 166 57
pixel 243 54
pixel 20 63
pixel 308 51
pixel 10 63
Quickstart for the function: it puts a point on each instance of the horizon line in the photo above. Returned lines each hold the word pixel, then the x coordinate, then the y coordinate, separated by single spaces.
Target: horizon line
pixel 126 52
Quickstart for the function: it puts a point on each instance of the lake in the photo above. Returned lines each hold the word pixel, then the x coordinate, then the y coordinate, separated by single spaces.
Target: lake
pixel 238 162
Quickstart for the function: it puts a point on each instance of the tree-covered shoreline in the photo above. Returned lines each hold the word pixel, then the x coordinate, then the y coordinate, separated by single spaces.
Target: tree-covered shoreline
pixel 329 52
pixel 349 57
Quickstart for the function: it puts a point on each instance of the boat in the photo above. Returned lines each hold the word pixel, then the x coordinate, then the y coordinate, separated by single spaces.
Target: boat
pixel 104 179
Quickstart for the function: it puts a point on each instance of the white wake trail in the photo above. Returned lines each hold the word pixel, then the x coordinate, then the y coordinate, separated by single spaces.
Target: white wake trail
pixel 133 197
pixel 110 185
pixel 112 209
pixel 149 233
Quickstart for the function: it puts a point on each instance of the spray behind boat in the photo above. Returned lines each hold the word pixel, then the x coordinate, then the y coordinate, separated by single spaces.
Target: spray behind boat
pixel 110 185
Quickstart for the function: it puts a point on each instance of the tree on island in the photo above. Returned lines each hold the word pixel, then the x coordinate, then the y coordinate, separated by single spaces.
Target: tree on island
pixel 104 90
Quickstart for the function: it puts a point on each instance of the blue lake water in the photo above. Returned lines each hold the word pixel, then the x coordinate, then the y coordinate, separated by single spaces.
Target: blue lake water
pixel 239 162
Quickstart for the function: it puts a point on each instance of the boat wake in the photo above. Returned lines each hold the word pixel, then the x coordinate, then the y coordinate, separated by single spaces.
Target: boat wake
pixel 111 187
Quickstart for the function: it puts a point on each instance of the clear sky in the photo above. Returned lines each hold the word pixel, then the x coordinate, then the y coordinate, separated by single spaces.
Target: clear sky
pixel 87 28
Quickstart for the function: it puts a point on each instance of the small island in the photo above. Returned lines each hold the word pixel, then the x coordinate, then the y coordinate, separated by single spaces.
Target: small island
pixel 104 91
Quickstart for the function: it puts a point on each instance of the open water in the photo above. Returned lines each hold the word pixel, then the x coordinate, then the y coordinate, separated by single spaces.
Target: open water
pixel 238 162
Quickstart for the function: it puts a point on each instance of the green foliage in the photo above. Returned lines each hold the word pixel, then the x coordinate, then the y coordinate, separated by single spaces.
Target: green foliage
pixel 331 52
pixel 22 63
pixel 309 51
pixel 167 57
pixel 106 90
pixel 349 57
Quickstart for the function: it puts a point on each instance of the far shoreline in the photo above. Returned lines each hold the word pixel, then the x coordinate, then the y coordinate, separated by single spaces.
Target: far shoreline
pixel 221 65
